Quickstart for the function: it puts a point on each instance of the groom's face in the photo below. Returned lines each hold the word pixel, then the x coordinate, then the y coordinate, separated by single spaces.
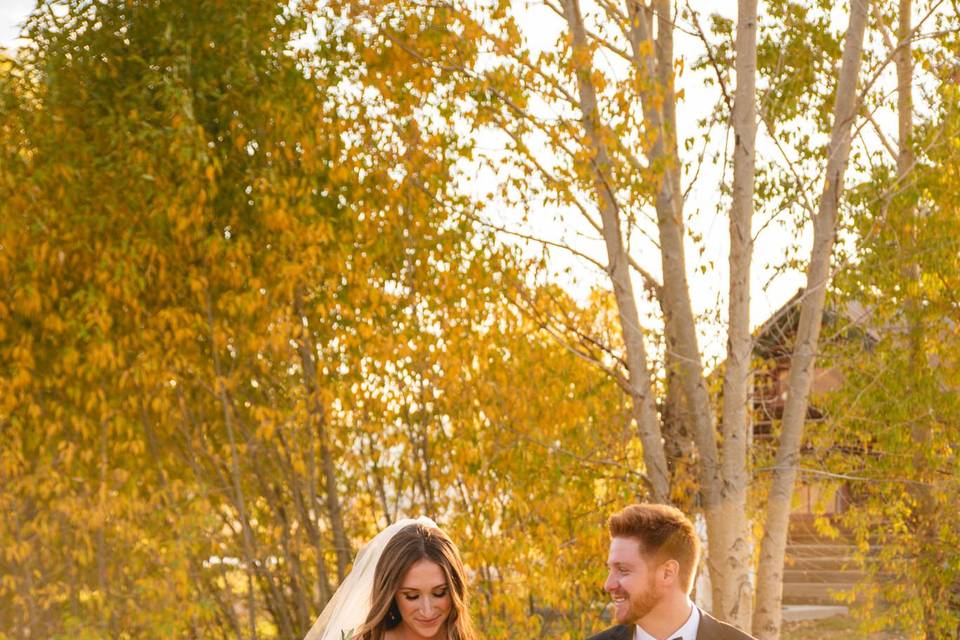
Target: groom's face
pixel 630 581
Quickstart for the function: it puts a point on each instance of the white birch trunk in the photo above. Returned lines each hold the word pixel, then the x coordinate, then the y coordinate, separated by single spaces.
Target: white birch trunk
pixel 733 599
pixel 678 312
pixel 768 616
pixel 904 61
pixel 641 388
pixel 657 71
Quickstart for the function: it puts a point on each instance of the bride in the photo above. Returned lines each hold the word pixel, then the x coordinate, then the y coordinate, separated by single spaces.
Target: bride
pixel 408 583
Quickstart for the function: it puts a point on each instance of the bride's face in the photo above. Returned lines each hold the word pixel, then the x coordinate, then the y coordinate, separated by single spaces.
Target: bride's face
pixel 424 599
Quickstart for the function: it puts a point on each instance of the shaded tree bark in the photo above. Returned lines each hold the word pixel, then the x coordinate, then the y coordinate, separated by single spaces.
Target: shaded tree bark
pixel 768 616
pixel 641 387
pixel 723 497
pixel 307 351
pixel 733 596
pixel 925 510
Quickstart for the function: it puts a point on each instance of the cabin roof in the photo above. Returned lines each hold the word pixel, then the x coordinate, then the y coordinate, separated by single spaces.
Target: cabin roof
pixel 774 338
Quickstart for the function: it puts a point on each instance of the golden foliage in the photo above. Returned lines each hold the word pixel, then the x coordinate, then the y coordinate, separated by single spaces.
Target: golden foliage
pixel 245 329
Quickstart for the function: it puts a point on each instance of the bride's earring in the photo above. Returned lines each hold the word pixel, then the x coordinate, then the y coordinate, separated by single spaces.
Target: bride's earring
pixel 393 616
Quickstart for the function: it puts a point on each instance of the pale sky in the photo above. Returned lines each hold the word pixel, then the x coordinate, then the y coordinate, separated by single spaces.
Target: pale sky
pixel 705 214
pixel 12 15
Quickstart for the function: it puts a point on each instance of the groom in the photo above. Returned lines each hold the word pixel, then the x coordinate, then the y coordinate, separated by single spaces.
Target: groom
pixel 653 558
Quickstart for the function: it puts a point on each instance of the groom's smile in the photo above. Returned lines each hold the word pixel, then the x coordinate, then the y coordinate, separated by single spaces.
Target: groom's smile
pixel 629 581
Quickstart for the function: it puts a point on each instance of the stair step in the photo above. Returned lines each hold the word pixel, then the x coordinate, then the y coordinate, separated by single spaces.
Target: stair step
pixel 820 550
pixel 809 592
pixel 821 563
pixel 798 534
pixel 816 539
pixel 822 577
pixel 803 530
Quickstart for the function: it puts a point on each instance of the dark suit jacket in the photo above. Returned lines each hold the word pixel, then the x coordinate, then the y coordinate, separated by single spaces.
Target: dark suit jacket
pixel 710 629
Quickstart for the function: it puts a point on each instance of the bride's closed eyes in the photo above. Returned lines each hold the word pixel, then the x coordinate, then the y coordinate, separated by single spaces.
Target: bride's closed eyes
pixel 413 595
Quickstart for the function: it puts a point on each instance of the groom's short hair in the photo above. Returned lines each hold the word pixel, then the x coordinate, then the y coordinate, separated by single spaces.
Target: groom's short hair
pixel 664 533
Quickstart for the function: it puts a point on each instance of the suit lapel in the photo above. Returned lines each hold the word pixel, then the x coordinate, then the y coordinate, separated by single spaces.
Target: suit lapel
pixel 707 630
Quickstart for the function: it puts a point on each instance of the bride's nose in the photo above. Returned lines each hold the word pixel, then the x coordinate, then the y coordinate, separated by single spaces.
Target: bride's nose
pixel 427 606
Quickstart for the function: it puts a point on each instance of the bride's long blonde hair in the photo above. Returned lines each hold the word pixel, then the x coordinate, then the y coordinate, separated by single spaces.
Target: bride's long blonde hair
pixel 411 544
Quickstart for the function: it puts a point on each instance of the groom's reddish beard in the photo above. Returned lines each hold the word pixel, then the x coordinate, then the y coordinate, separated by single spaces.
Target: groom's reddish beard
pixel 641 604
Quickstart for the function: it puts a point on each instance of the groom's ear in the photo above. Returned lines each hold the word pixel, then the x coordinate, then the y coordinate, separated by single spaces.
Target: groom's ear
pixel 669 571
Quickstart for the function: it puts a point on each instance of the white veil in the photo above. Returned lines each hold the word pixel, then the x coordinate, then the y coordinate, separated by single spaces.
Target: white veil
pixel 349 606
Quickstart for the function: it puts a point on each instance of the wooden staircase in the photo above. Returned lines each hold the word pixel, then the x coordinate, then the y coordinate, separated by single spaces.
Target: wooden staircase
pixel 817 567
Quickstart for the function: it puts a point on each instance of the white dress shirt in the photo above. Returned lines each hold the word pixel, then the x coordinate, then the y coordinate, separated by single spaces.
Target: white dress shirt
pixel 687 631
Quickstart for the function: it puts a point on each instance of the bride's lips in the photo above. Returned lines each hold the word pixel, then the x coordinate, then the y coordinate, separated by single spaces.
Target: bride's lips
pixel 430 622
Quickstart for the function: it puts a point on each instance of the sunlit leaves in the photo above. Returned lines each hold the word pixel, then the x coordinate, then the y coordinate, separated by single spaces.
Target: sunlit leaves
pixel 896 418
pixel 244 312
